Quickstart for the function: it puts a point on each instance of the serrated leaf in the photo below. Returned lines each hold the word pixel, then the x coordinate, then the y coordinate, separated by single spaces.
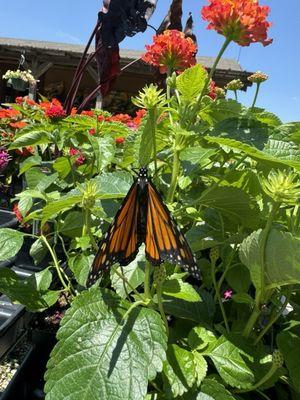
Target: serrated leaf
pixel 200 367
pixel 38 251
pixel 80 265
pixel 72 225
pixel 282 248
pixel 282 150
pixel 30 139
pixel 100 357
pixel 63 166
pixel 197 155
pixel 179 371
pixel 238 278
pixel 191 82
pixel 234 204
pixel 104 151
pixel 210 390
pixel 252 152
pixel 32 292
pixel 230 362
pixel 245 130
pixel 147 140
pixel 112 185
pixel 134 274
pixel 29 162
pixel 200 338
pixel 11 242
pixel 180 290
pixel 63 204
pixel 289 345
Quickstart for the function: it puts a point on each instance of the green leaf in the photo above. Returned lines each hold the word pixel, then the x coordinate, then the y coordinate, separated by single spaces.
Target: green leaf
pixel 234 204
pixel 104 151
pixel 245 130
pixel 197 155
pixel 113 185
pixel 210 390
pixel 265 117
pixel 38 251
pixel 146 144
pixel 134 273
pixel 29 162
pixel 11 242
pixel 191 82
pixel 63 204
pixel 80 265
pixel 99 356
pixel 63 166
pixel 253 152
pixel 31 138
pixel 200 338
pixel 289 345
pixel 179 371
pixel 282 150
pixel 219 110
pixel 243 298
pixel 33 177
pixel 25 204
pixel 32 292
pixel 238 278
pixel 72 225
pixel 200 367
pixel 229 360
pixel 183 301
pixel 282 249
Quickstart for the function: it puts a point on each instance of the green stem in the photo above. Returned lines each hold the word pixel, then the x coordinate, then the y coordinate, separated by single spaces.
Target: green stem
pixel 212 71
pixel 147 280
pixel 262 381
pixel 256 95
pixel 260 297
pixel 132 307
pixel 235 95
pixel 272 321
pixel 129 284
pixel 56 263
pixel 251 322
pixel 175 174
pixel 153 119
pixel 159 291
pixel 213 276
pixel 87 225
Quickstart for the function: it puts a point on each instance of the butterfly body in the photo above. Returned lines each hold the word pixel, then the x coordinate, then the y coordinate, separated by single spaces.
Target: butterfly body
pixel 143 218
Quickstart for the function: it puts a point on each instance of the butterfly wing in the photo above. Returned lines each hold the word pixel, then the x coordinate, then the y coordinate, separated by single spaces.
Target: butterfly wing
pixel 164 240
pixel 121 242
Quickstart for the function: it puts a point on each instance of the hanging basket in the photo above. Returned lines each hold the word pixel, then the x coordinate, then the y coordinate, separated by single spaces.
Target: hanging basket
pixel 18 84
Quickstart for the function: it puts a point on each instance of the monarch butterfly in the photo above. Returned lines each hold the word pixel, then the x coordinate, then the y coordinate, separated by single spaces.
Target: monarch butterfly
pixel 143 218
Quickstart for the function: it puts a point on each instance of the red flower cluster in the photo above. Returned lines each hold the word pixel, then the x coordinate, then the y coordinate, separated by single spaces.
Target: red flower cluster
pixel 9 113
pixel 120 140
pixel 26 100
pixel 17 212
pixel 80 159
pixel 171 51
pixel 25 151
pixel 53 110
pixel 243 21
pixel 18 124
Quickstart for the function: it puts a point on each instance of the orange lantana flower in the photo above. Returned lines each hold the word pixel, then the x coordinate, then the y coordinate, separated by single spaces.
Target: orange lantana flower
pixel 243 21
pixel 171 51
pixel 18 125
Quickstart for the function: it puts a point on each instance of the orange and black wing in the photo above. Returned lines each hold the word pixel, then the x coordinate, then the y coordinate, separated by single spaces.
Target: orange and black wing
pixel 121 242
pixel 164 241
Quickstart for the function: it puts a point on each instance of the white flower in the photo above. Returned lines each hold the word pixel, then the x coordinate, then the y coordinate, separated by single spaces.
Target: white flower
pixel 26 76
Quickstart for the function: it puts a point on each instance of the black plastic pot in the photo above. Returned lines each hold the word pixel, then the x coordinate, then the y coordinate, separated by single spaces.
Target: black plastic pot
pixel 19 387
pixel 13 323
pixel 8 219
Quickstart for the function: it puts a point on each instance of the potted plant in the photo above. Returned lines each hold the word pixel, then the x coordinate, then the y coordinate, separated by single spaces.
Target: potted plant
pixel 19 79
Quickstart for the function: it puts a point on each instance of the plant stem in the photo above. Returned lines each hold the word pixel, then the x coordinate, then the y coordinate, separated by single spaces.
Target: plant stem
pixel 56 263
pixel 213 275
pixel 272 321
pixel 256 94
pixel 153 120
pixel 129 284
pixel 260 297
pixel 87 224
pixel 212 71
pixel 159 291
pixel 235 95
pixel 147 280
pixel 175 173
pixel 263 380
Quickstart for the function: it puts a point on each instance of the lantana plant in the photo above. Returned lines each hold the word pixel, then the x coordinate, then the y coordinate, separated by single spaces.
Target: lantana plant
pixel 230 176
